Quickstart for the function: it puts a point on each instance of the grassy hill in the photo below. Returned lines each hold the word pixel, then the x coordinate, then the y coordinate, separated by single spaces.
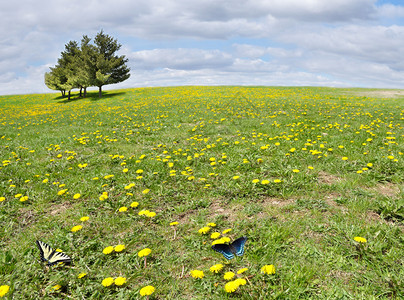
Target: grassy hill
pixel 313 177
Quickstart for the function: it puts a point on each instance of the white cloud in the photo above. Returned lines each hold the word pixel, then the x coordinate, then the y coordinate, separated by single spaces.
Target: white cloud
pixel 180 59
pixel 302 42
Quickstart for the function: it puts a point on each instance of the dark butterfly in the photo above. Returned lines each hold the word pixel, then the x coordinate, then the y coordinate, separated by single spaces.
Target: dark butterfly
pixel 230 250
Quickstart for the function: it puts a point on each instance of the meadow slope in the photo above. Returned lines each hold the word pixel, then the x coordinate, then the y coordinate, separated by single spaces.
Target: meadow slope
pixel 313 177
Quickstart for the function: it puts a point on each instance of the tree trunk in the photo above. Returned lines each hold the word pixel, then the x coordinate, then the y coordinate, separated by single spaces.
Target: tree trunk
pixel 63 93
pixel 85 92
pixel 81 88
pixel 68 96
pixel 99 91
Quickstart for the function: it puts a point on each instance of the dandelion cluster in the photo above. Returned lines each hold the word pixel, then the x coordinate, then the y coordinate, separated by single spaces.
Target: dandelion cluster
pixel 128 166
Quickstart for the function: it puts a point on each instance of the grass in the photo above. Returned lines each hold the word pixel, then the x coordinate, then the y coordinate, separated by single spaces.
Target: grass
pixel 300 171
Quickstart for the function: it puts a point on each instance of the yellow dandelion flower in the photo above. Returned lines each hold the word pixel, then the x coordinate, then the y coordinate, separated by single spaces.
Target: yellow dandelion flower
pixel 241 281
pixel 134 204
pixel 265 181
pixel 119 248
pixel 216 268
pixel 268 269
pixel 18 196
pixel 344 158
pixel 295 171
pixel 2 199
pixel 108 250
pixel 174 223
pixel 129 186
pixel 24 198
pixel 228 275
pixel 226 230
pixel 236 177
pixel 120 281
pixel 45 180
pixel 241 271
pixel 255 180
pixel 225 239
pixel 360 239
pixel 147 290
pixel 61 192
pixel 218 241
pixel 211 224
pixel 83 219
pixel 277 181
pixel 56 287
pixel 143 212
pixel 76 228
pixel 369 165
pixel 107 281
pixel 144 192
pixel 81 275
pixel 144 252
pixel 150 214
pixel 4 290
pixel 197 274
pixel 231 286
pixel 76 196
pixel 123 209
pixel 125 170
pixel 204 230
pixel 215 235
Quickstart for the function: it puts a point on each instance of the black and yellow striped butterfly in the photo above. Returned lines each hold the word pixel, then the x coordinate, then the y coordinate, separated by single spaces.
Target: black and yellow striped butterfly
pixel 52 256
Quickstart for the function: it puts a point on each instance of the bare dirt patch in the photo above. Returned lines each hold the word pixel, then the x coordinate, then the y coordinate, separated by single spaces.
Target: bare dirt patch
pixel 330 200
pixel 277 202
pixel 328 179
pixel 229 212
pixel 387 189
pixel 59 208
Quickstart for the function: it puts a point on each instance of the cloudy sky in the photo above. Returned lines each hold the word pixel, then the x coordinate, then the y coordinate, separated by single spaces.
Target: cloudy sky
pixel 347 43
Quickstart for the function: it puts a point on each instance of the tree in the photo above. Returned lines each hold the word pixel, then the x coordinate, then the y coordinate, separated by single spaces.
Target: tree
pixel 83 65
pixel 109 67
pixel 54 79
pixel 69 66
pixel 88 65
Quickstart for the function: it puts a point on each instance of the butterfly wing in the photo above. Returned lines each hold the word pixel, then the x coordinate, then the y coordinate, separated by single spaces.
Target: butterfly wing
pixel 59 257
pixel 50 255
pixel 223 249
pixel 45 250
pixel 237 246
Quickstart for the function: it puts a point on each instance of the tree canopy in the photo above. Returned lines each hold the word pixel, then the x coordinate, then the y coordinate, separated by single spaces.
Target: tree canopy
pixel 88 64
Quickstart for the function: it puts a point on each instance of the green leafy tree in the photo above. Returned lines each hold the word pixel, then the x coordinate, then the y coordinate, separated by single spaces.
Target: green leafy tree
pixel 88 65
pixel 109 67
pixel 69 66
pixel 54 80
pixel 83 66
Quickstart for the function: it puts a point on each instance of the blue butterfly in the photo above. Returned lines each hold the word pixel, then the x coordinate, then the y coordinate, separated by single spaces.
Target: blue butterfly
pixel 230 250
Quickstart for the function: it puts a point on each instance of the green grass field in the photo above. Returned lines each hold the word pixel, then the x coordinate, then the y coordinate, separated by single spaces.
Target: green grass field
pixel 300 172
